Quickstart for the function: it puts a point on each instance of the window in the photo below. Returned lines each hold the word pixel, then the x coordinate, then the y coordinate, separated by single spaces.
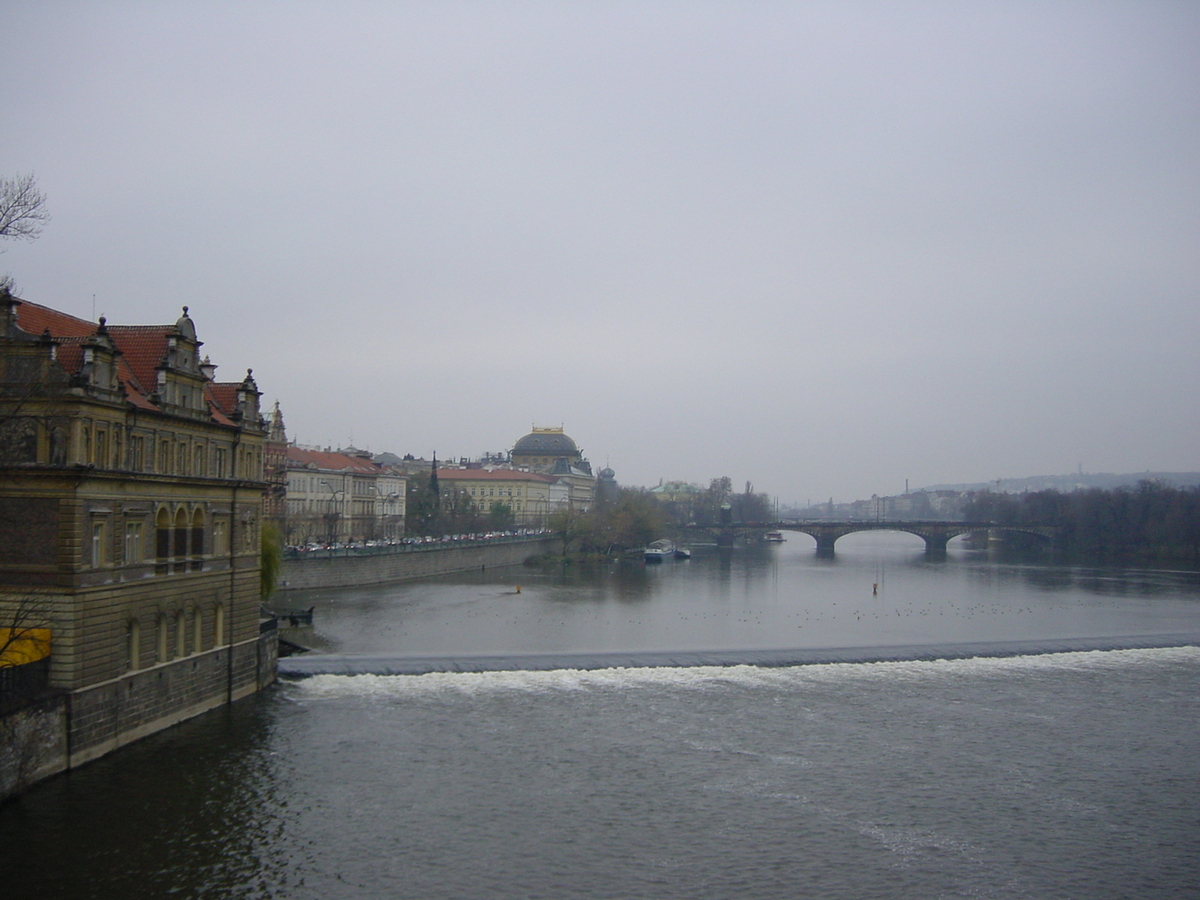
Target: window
pixel 197 540
pixel 137 453
pixel 97 554
pixel 218 625
pixel 180 634
pixel 197 630
pixel 133 542
pixel 180 549
pixel 162 543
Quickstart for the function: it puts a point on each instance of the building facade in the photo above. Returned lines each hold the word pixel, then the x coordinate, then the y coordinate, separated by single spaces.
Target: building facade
pixel 531 496
pixel 341 497
pixel 131 497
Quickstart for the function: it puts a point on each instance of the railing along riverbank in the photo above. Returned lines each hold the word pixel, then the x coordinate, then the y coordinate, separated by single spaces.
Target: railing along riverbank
pixel 354 566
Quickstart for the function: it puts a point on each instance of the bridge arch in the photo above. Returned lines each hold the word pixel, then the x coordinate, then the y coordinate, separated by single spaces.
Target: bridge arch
pixel 935 534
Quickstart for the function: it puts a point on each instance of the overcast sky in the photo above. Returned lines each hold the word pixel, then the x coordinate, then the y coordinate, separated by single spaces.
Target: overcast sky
pixel 824 247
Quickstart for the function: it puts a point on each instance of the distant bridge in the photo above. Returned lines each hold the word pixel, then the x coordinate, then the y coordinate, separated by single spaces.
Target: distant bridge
pixel 936 534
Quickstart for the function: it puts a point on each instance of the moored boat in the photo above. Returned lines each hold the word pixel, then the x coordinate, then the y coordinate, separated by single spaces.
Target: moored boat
pixel 659 550
pixel 774 537
pixel 683 553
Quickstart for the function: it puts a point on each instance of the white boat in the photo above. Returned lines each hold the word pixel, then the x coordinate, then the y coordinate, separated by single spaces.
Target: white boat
pixel 774 537
pixel 660 550
pixel 683 553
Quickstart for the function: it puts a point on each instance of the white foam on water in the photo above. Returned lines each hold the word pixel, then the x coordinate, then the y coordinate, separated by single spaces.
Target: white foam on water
pixel 704 678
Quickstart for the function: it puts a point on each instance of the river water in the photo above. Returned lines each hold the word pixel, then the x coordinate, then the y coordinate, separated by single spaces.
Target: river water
pixel 1073 775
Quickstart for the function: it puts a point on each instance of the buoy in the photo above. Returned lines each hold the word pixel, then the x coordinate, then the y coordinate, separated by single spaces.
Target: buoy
pixel 875 589
pixel 518 589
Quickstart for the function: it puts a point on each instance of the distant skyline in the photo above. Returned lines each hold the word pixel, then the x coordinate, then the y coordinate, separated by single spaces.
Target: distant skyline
pixel 823 247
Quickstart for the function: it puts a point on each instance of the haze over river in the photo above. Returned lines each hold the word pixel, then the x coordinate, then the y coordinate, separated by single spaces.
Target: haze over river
pixel 1072 775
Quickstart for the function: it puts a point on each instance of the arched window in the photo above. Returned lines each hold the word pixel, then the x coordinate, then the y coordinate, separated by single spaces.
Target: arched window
pixel 162 543
pixel 133 644
pixel 181 540
pixel 197 630
pixel 180 634
pixel 218 625
pixel 197 536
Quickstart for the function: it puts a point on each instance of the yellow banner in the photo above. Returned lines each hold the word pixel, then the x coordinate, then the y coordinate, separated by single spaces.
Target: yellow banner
pixel 23 645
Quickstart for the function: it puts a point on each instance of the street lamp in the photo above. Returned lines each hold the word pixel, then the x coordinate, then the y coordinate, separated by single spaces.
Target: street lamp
pixel 334 513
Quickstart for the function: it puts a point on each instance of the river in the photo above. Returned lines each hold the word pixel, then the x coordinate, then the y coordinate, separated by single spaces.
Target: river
pixel 1073 774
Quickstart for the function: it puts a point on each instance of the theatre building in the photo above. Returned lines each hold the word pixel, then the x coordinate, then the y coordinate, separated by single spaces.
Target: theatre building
pixel 131 497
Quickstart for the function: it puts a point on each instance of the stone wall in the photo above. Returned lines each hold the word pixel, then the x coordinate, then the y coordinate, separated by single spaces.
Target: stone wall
pixel 33 744
pixel 334 570
pixel 75 727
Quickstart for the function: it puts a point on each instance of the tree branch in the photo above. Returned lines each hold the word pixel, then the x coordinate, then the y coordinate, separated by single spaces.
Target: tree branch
pixel 22 208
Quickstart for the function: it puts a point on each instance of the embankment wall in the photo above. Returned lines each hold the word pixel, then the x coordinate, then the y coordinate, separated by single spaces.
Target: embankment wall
pixel 71 728
pixel 349 569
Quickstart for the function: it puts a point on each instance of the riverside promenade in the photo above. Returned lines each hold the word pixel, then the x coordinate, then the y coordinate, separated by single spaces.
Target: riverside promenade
pixel 383 565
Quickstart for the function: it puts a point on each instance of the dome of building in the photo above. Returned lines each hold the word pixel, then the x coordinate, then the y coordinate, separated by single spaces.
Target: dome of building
pixel 545 442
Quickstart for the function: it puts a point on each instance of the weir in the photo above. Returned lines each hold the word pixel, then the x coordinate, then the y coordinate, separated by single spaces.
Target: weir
pixel 362 664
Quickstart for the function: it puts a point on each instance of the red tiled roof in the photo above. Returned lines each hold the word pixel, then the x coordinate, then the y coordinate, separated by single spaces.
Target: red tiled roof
pixel 142 348
pixel 70 353
pixel 222 400
pixel 35 319
pixel 321 459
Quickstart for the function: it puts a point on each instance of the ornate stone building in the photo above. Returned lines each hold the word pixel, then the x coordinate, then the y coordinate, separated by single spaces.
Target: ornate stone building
pixel 131 496
pixel 549 451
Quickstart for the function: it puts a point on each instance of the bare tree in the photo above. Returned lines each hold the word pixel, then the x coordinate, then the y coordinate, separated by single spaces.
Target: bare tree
pixel 25 627
pixel 24 620
pixel 22 208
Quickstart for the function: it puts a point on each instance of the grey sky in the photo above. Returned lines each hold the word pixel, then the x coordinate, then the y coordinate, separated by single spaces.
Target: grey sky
pixel 825 247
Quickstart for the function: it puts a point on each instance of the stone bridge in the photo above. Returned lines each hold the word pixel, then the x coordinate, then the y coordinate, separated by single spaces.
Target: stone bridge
pixel 936 534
